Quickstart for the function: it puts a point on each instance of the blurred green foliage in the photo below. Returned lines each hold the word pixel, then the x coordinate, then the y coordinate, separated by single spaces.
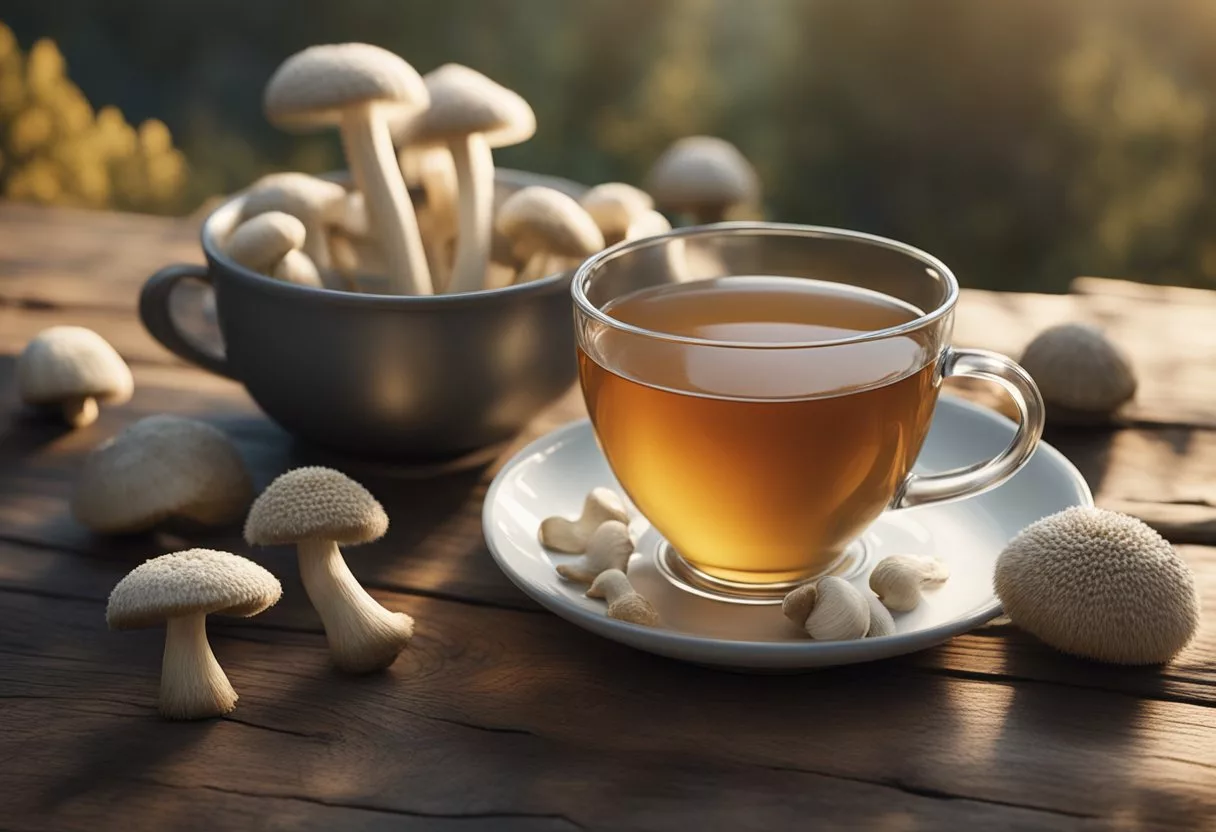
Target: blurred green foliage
pixel 1023 142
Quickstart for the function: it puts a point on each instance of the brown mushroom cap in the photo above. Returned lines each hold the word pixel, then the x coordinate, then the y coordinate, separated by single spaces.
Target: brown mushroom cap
pixel 261 242
pixel 542 219
pixel 313 87
pixel 196 581
pixel 315 503
pixel 160 467
pixel 65 362
pixel 700 171
pixel 464 101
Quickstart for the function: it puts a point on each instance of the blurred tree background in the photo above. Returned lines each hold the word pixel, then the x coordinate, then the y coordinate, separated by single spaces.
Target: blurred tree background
pixel 1023 141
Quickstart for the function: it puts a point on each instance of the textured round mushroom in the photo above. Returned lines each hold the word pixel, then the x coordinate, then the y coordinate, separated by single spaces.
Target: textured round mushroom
pixel 1082 374
pixel 704 176
pixel 469 115
pixel 1100 585
pixel 317 203
pixel 180 590
pixel 624 602
pixel 158 468
pixel 829 609
pixel 615 206
pixel 72 368
pixel 317 509
pixel 544 224
pixel 353 86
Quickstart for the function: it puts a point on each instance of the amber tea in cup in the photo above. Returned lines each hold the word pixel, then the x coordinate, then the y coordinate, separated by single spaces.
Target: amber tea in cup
pixel 762 392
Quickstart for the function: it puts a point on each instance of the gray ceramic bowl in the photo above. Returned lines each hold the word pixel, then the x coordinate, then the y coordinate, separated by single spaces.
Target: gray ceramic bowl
pixel 384 376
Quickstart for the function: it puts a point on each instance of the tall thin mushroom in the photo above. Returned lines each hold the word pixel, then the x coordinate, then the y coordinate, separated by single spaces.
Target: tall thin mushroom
pixel 349 85
pixel 470 114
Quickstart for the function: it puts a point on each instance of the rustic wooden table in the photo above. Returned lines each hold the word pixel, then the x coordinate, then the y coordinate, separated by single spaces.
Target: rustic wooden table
pixel 502 716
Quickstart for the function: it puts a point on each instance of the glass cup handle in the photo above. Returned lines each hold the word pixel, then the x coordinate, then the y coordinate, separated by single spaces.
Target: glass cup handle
pixel 973 479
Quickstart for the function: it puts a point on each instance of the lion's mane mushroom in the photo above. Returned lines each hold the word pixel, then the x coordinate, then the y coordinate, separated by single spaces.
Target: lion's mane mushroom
pixel 72 368
pixel 348 85
pixel 158 468
pixel 703 176
pixel 544 224
pixel 317 510
pixel 1083 376
pixel 469 115
pixel 180 590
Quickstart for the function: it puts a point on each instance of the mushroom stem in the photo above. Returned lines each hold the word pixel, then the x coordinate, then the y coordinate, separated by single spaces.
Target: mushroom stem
pixel 438 180
pixel 475 203
pixel 363 636
pixel 80 412
pixel 706 214
pixel 374 167
pixel 316 243
pixel 192 683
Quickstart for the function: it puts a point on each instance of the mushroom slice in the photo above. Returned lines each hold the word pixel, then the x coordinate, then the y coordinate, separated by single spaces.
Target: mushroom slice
pixel 351 86
pixel 180 590
pixel 161 467
pixel 470 114
pixel 542 224
pixel 615 207
pixel 704 176
pixel 318 509
pixel 72 368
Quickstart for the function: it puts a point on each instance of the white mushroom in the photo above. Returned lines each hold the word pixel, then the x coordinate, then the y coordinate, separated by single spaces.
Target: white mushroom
pixel 469 115
pixel 1100 585
pixel 72 368
pixel 647 224
pixel 544 224
pixel 1082 374
pixel 318 203
pixel 180 590
pixel 270 243
pixel 624 602
pixel 610 547
pixel 830 609
pixel 349 85
pixel 615 206
pixel 571 536
pixel 318 509
pixel 158 468
pixel 898 580
pixel 703 176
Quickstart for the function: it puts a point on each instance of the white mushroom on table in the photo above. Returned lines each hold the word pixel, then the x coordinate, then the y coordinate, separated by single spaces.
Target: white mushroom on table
pixel 71 369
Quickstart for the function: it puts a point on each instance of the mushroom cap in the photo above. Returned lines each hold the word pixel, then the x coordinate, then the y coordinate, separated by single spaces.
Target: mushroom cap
pixel 702 171
pixel 159 467
pixel 188 583
pixel 464 101
pixel 265 239
pixel 298 268
pixel 543 219
pixel 67 362
pixel 313 87
pixel 1099 584
pixel 315 503
pixel 615 206
pixel 294 193
pixel 1077 367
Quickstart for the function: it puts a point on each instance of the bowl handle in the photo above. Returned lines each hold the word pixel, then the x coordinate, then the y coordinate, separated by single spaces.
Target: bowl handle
pixel 155 313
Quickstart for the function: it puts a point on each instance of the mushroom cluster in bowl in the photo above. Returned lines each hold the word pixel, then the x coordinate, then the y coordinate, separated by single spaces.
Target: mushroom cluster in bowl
pixel 421 209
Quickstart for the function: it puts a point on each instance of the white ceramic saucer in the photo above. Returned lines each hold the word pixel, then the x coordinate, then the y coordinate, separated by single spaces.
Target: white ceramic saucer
pixel 553 474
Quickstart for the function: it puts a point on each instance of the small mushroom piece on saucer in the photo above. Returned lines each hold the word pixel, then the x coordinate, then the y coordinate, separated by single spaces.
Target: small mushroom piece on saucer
pixel 624 602
pixel 1083 376
pixel 1100 585
pixel 72 368
pixel 180 590
pixel 881 622
pixel 571 536
pixel 829 609
pixel 704 176
pixel 615 207
pixel 270 243
pixel 898 580
pixel 158 468
pixel 317 510
pixel 547 226
pixel 610 547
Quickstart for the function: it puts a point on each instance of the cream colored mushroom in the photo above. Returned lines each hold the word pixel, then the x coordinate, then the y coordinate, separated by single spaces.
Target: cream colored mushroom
pixel 624 602
pixel 1083 376
pixel 1100 585
pixel 610 547
pixel 72 368
pixel 647 224
pixel 431 166
pixel 180 590
pixel 317 510
pixel 830 609
pixel 571 536
pixel 469 115
pixel 353 86
pixel 703 176
pixel 615 207
pixel 317 203
pixel 548 229
pixel 898 580
pixel 158 468
pixel 269 243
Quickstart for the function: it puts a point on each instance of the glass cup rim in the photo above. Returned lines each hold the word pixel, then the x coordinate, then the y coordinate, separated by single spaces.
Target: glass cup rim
pixel 586 272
